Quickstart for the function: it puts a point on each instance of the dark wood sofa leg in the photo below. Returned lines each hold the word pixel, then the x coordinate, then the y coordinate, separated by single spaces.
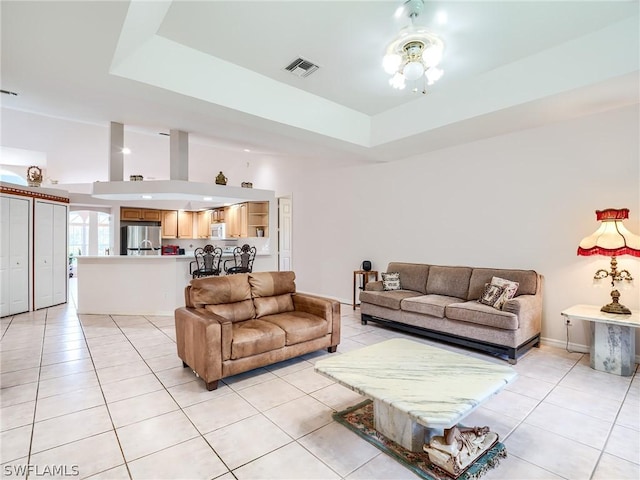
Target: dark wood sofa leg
pixel 332 349
pixel 212 385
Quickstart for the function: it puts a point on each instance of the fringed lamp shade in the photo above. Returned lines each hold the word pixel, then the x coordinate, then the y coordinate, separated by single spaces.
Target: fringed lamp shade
pixel 612 239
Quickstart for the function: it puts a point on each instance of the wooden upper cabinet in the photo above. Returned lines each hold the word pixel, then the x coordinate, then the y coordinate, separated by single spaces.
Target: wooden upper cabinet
pixel 170 224
pixel 185 224
pixel 203 221
pixel 140 214
pixel 218 215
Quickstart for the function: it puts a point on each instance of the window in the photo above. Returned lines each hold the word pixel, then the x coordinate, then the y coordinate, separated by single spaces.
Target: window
pixel 89 232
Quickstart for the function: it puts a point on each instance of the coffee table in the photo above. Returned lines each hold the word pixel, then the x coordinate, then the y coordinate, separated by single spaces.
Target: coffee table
pixel 417 390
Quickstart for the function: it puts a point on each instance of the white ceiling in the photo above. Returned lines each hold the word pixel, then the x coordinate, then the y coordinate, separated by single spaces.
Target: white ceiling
pixel 215 69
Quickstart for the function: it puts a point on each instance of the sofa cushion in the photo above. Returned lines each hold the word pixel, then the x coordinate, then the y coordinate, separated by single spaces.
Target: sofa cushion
pixel 413 276
pixel 527 280
pixel 269 284
pixel 271 305
pixel 299 326
pixel 389 299
pixel 255 336
pixel 475 312
pixel 216 290
pixel 433 305
pixel 449 281
pixel 391 281
pixel 234 312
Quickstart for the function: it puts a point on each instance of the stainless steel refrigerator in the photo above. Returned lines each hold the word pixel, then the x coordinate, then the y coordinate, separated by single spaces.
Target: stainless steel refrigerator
pixel 140 240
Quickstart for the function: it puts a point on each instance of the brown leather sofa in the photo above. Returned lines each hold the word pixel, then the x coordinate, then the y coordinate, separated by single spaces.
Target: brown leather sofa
pixel 236 323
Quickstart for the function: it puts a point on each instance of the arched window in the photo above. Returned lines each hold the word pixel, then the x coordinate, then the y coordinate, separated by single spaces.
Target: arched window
pixel 11 177
pixel 89 232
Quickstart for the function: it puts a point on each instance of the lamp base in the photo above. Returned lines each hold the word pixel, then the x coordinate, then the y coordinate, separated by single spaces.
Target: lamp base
pixel 615 306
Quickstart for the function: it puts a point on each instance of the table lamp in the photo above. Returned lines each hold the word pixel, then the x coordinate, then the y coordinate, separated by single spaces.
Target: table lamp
pixel 612 239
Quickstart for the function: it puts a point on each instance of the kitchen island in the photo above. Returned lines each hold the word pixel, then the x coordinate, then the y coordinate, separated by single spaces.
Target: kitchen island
pixel 140 285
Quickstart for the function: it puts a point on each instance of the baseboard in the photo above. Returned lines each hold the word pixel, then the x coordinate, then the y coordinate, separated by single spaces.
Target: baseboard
pixel 574 347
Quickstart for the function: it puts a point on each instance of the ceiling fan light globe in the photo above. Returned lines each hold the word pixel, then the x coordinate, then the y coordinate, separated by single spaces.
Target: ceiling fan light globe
pixel 432 55
pixel 433 74
pixel 391 63
pixel 397 81
pixel 413 70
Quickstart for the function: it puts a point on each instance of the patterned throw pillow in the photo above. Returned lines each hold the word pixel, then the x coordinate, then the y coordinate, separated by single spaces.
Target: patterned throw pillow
pixel 491 294
pixel 391 281
pixel 510 289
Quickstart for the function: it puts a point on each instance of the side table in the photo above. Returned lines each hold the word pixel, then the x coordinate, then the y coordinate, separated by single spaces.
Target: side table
pixel 613 339
pixel 366 277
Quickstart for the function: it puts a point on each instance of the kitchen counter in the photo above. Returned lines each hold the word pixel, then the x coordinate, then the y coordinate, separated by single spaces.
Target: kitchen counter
pixel 140 285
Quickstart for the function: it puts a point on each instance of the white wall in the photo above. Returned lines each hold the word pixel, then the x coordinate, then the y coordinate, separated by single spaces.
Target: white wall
pixel 522 200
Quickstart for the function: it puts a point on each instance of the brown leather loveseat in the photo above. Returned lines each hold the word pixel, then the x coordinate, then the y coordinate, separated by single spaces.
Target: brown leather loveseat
pixel 236 323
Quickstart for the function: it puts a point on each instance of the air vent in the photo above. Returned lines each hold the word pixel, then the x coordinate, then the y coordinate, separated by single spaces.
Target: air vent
pixel 301 67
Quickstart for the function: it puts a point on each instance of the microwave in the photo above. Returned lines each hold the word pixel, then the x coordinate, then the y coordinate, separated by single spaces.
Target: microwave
pixel 217 231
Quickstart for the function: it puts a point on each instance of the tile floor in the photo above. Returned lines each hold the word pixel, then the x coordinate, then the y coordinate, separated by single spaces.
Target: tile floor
pixel 106 397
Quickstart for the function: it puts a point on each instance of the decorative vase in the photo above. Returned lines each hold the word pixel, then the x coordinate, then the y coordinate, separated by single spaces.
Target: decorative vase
pixel 221 179
pixel 246 185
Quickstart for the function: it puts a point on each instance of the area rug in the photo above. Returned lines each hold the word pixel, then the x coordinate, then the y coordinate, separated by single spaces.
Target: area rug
pixel 359 419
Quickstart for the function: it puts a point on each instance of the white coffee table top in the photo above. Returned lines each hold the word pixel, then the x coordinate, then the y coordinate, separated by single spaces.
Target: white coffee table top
pixel 592 313
pixel 435 387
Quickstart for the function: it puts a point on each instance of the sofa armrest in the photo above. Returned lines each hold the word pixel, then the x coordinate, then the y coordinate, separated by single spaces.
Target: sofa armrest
pixel 374 286
pixel 322 307
pixel 528 309
pixel 202 339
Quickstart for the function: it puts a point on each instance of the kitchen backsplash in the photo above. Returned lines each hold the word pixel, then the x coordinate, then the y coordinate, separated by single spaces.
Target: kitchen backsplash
pixel 189 245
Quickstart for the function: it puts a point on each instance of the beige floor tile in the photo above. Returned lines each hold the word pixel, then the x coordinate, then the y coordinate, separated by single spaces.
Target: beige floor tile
pixel 131 387
pixel 155 434
pixel 530 387
pixel 69 428
pixel 307 380
pixel 195 391
pixel 18 394
pixel 112 359
pixel 117 473
pixel 135 409
pixel 19 364
pixel 249 379
pixel 300 416
pixel 15 443
pixel 114 339
pixel 75 401
pixel 589 403
pixel 65 356
pixel 568 423
pixel 613 467
pixel 338 397
pixel 514 468
pixel 382 467
pixel 291 462
pixel 629 415
pixel 219 412
pixel 164 362
pixel 559 455
pixel 170 462
pixel 270 394
pixel 624 443
pixel 175 376
pixel 17 415
pixel 499 423
pixel 511 404
pixel 15 469
pixel 265 437
pixel 19 377
pixel 88 456
pixel 547 373
pixel 588 380
pixel 153 351
pixel 339 448
pixel 65 368
pixel 66 384
pixel 288 366
pixel 122 372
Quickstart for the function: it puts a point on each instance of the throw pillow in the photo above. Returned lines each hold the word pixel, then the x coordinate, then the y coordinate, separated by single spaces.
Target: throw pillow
pixel 510 289
pixel 491 294
pixel 391 281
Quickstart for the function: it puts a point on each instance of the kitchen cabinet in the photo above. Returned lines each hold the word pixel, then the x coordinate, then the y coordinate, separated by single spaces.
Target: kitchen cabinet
pixel 248 220
pixel 170 224
pixel 203 222
pixel 236 220
pixel 50 254
pixel 185 224
pixel 258 219
pixel 140 214
pixel 14 255
pixel 217 215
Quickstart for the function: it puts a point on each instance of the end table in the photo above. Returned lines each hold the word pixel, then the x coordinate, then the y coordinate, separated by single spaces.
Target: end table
pixel 366 277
